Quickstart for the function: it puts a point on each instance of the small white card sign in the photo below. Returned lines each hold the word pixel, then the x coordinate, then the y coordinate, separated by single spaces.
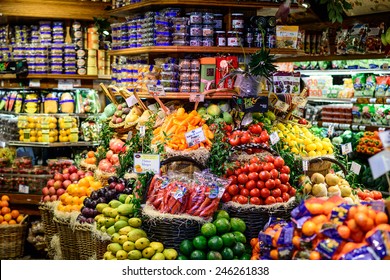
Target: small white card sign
pixel 196 97
pixel 355 168
pixel 274 137
pixel 156 90
pixel 146 162
pixel 131 101
pixel 380 163
pixel 34 83
pixel 24 189
pixel 385 138
pixel 305 165
pixel 195 136
pixel 281 106
pixel 346 148
pixel 65 84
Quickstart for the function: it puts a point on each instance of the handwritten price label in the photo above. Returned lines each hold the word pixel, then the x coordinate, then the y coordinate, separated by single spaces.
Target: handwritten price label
pixel 142 131
pixel 196 97
pixel 195 136
pixel 305 165
pixel 131 101
pixel 274 137
pixel 24 189
pixel 281 106
pixel 346 148
pixel 385 138
pixel 355 168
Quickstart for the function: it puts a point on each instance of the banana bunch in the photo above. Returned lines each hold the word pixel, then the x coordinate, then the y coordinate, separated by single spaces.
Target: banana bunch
pixel 31 103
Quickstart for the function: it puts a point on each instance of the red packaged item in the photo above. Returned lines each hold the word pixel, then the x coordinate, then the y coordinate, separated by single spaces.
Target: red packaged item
pixel 224 66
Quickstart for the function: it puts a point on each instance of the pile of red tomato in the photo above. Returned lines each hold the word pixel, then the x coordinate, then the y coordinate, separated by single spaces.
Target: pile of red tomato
pixel 259 182
pixel 255 134
pixel 368 195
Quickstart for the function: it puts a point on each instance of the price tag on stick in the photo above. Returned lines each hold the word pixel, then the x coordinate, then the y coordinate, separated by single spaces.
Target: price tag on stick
pixel 385 138
pixel 131 101
pixel 142 131
pixel 355 168
pixel 281 106
pixel 196 97
pixel 24 189
pixel 346 148
pixel 305 165
pixel 195 136
pixel 156 90
pixel 274 138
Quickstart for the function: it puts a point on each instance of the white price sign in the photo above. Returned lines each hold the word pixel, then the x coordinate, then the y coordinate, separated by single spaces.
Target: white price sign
pixel 196 97
pixel 305 165
pixel 355 168
pixel 131 101
pixel 297 100
pixel 34 83
pixel 385 138
pixel 77 83
pixel 346 148
pixel 65 84
pixel 331 130
pixel 195 136
pixel 380 163
pixel 372 100
pixel 146 162
pixel 281 106
pixel 353 100
pixel 24 189
pixel 274 137
pixel 156 90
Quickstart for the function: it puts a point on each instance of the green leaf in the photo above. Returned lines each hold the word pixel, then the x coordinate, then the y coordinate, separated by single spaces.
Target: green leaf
pixel 323 1
pixel 339 18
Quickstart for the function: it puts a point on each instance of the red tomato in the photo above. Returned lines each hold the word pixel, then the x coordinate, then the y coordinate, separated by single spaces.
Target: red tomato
pixel 233 179
pixel 238 171
pixel 233 189
pixel 244 192
pixel 264 193
pixel 242 199
pixel 228 128
pixel 237 133
pixel 241 186
pixel 254 160
pixel 377 195
pixel 253 176
pixel 269 158
pixel 270 200
pixel 230 172
pixel 277 183
pixel 255 128
pixel 255 201
pixel 251 184
pixel 242 178
pixel 283 188
pixel 276 193
pixel 279 200
pixel 270 184
pixel 255 192
pixel 245 138
pixel 370 195
pixel 285 169
pixel 274 173
pixel 245 168
pixel 264 136
pixel 226 197
pixel 256 140
pixel 278 162
pixel 260 184
pixel 269 166
pixel 254 167
pixel 292 192
pixel 264 176
pixel 234 140
pixel 284 178
pixel 261 167
pixel 362 195
pixel 235 198
pixel 285 197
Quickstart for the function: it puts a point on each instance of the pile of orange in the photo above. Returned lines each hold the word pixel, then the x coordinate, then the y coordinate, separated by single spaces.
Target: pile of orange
pixel 8 216
pixel 73 198
pixel 91 158
pixel 353 225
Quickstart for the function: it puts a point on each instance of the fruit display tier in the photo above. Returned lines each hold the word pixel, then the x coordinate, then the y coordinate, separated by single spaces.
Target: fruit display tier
pixel 53 145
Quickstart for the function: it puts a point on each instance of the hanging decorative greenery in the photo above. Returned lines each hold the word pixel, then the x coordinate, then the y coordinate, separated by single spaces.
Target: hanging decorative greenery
pixel 262 64
pixel 336 9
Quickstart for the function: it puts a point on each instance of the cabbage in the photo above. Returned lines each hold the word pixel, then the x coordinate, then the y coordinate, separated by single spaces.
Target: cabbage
pixel 110 110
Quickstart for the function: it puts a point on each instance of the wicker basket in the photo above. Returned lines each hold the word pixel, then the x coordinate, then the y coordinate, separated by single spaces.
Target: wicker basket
pixel 12 239
pixel 101 243
pixel 170 230
pixel 85 243
pixel 87 167
pixel 181 164
pixel 68 243
pixel 103 176
pixel 322 165
pixel 47 216
pixel 256 217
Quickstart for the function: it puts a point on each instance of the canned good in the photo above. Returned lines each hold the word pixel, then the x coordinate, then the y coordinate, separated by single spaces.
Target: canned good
pixel 196 41
pixel 208 31
pixel 208 41
pixel 196 30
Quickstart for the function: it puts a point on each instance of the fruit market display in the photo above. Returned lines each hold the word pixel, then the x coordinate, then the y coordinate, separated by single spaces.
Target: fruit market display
pixel 327 229
pixel 9 216
pixel 255 134
pixel 221 239
pixel 301 141
pixel 259 182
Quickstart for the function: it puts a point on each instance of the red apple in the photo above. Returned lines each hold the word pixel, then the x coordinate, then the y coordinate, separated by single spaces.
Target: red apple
pixel 60 192
pixel 50 183
pixel 46 198
pixel 109 154
pixel 88 173
pixel 74 177
pixel 66 183
pixel 119 187
pixel 45 191
pixel 65 176
pixel 53 197
pixel 58 177
pixel 115 159
pixel 72 169
pixel 52 191
pixel 57 184
pixel 65 171
pixel 81 172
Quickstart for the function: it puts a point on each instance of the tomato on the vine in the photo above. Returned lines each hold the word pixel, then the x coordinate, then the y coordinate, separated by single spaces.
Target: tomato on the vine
pixel 292 192
pixel 256 140
pixel 228 128
pixel 283 188
pixel 234 140
pixel 284 178
pixel 233 179
pixel 277 183
pixel 268 166
pixel 279 199
pixel 285 197
pixel 238 171
pixel 254 167
pixel 269 158
pixel 245 168
pixel 260 184
pixel 254 160
pixel 244 192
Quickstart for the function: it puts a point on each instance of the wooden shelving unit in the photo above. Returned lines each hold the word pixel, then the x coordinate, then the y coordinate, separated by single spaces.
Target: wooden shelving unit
pixel 25 203
pixel 331 57
pixel 184 95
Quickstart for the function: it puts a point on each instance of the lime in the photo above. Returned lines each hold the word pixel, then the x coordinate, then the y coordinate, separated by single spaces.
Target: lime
pixel 208 229
pixel 198 255
pixel 221 214
pixel 213 255
pixel 239 237
pixel 200 242
pixel 227 254
pixel 228 239
pixel 222 225
pixel 215 243
pixel 238 249
pixel 186 247
pixel 245 256
pixel 237 224
pixel 182 258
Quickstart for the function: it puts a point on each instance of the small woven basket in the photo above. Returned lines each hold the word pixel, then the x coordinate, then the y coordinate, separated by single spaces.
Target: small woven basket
pixel 101 241
pixel 86 166
pixel 103 176
pixel 12 239
pixel 47 215
pixel 323 165
pixel 257 216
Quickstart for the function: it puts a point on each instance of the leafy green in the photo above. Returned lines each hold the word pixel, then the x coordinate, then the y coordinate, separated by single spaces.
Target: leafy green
pixel 220 152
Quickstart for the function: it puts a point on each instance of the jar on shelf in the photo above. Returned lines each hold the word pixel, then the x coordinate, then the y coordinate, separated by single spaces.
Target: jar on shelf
pixel 218 21
pixel 238 22
pixel 220 39
pixel 196 30
pixel 196 18
pixel 208 18
pixel 208 42
pixel 196 41
pixel 234 39
pixel 208 31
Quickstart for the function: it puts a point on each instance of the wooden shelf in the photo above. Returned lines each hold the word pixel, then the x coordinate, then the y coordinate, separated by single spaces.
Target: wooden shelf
pixel 25 203
pixel 332 72
pixel 190 49
pixel 51 9
pixel 54 76
pixel 52 145
pixel 332 57
pixel 148 4
pixel 185 95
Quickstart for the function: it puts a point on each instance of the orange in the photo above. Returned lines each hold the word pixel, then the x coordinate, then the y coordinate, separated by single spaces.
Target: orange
pixel 348 247
pixel 12 222
pixel 381 218
pixel 256 248
pixel 371 213
pixel 352 225
pixel 276 237
pixel 361 219
pixel 4 203
pixel 274 254
pixel 352 211
pixel 91 154
pixel 296 241
pixel 315 208
pixel 254 241
pixel 4 223
pixel 90 179
pixel 75 200
pixel 314 255
pixel 328 207
pixel 5 197
pixel 309 228
pixel 68 200
pixel 68 208
pixel 96 185
pixel 91 160
pixel 70 189
pixel 369 225
pixel 63 198
pixel 19 219
pixel 7 217
pixel 344 231
pixel 357 236
pixel 76 207
pixel 82 191
pixel 15 214
pixel 61 207
pixel 362 209
pixel 319 219
pixel 5 210
pixel 83 183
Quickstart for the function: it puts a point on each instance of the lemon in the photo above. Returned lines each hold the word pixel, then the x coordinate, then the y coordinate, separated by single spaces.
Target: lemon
pixel 31 125
pixel 319 146
pixel 21 138
pixel 292 143
pixel 39 133
pixel 311 147
pixel 51 133
pixel 326 140
pixel 306 141
pixel 51 139
pixel 330 151
pixel 33 138
pixel 295 150
pixel 300 141
pixel 323 152
pixel 318 153
pixel 312 154
pixel 40 138
pixel 52 125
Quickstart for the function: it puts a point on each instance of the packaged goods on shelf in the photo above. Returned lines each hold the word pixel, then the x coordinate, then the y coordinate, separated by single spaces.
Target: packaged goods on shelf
pixel 318 85
pixel 338 113
pixel 8 128
pixel 285 82
pixel 287 36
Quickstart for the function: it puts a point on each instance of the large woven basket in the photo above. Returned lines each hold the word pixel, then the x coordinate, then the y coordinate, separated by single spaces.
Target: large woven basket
pixel 101 241
pixel 170 230
pixel 47 216
pixel 257 216
pixel 323 165
pixel 12 239
pixel 181 164
pixel 68 244
pixel 85 243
